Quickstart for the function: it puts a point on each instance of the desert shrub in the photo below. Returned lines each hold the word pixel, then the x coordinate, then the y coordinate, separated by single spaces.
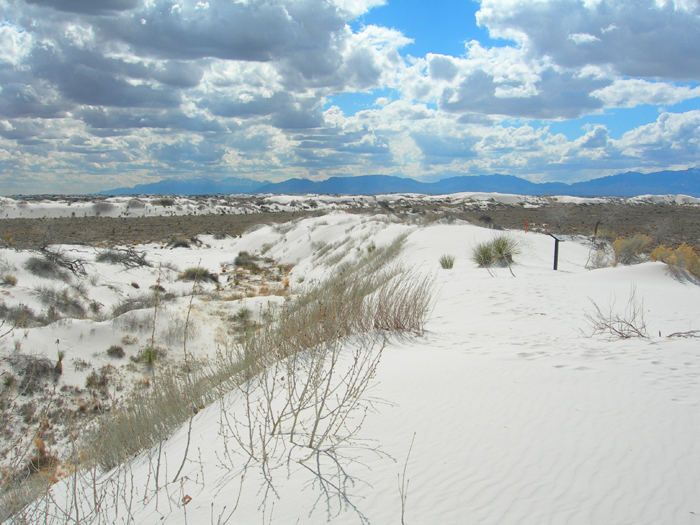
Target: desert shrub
pixel 6 266
pixel 139 302
pixel 129 257
pixel 8 280
pixel 499 251
pixel 60 301
pixel 75 266
pixel 164 201
pixel 130 339
pixel 33 371
pixel 198 274
pixel 116 351
pixel 682 259
pixel 178 242
pixel 618 324
pixel 21 316
pixel 447 262
pixel 245 260
pixel 102 207
pixel 150 356
pixel 136 204
pixel 220 236
pixel 42 267
pixel 98 382
pixel 605 235
pixel 630 250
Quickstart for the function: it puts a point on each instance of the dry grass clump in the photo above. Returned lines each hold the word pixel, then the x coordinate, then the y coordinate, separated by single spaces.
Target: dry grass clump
pixel 682 259
pixel 140 302
pixel 33 371
pixel 631 250
pixel 8 280
pixel 198 274
pixel 21 316
pixel 60 302
pixel 45 268
pixel 129 257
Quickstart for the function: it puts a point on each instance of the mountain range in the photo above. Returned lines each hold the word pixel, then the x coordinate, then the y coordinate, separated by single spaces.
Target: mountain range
pixel 630 184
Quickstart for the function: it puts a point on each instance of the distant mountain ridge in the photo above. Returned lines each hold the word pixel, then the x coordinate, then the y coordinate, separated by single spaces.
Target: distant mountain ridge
pixel 191 187
pixel 630 184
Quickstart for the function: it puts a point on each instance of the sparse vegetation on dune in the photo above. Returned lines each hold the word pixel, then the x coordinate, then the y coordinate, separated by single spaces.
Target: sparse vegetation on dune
pixel 681 260
pixel 631 250
pixel 198 274
pixel 447 262
pixel 499 252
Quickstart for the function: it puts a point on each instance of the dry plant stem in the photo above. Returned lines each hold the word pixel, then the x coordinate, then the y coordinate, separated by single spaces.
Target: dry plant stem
pixel 187 448
pixel 403 482
pixel 688 335
pixel 629 323
pixel 187 321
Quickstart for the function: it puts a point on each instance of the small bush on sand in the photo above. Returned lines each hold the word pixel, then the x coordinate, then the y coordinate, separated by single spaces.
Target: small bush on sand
pixel 129 257
pixel 630 250
pixel 139 302
pixel 8 280
pixel 61 301
pixel 21 316
pixel 116 351
pixel 447 261
pixel 150 356
pixel 42 267
pixel 245 260
pixel 616 324
pixel 178 242
pixel 198 274
pixel 682 259
pixel 499 252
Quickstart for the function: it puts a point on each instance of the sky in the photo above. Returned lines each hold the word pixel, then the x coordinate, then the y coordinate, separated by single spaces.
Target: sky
pixel 102 94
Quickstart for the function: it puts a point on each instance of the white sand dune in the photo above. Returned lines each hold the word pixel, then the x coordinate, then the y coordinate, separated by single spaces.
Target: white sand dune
pixel 516 413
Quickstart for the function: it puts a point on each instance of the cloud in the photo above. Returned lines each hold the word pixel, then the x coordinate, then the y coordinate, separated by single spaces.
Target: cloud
pixel 644 38
pixel 628 93
pixel 673 138
pixel 87 7
pixel 597 138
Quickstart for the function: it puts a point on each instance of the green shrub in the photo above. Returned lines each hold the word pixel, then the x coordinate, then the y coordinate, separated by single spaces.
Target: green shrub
pixel 630 250
pixel 499 252
pixel 447 261
pixel 149 356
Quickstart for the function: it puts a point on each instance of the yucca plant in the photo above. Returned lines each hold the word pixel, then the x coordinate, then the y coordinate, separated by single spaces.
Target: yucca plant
pixel 447 261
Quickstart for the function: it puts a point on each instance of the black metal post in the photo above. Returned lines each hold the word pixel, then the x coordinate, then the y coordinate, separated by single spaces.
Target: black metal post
pixel 557 240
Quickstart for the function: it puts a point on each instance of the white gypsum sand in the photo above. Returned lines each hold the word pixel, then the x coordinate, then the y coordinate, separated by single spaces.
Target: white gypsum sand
pixel 512 412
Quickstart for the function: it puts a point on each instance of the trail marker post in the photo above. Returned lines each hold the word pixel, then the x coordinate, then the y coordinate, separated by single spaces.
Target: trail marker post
pixel 557 240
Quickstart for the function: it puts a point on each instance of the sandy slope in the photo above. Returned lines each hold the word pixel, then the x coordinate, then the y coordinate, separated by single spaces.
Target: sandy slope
pixel 518 416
